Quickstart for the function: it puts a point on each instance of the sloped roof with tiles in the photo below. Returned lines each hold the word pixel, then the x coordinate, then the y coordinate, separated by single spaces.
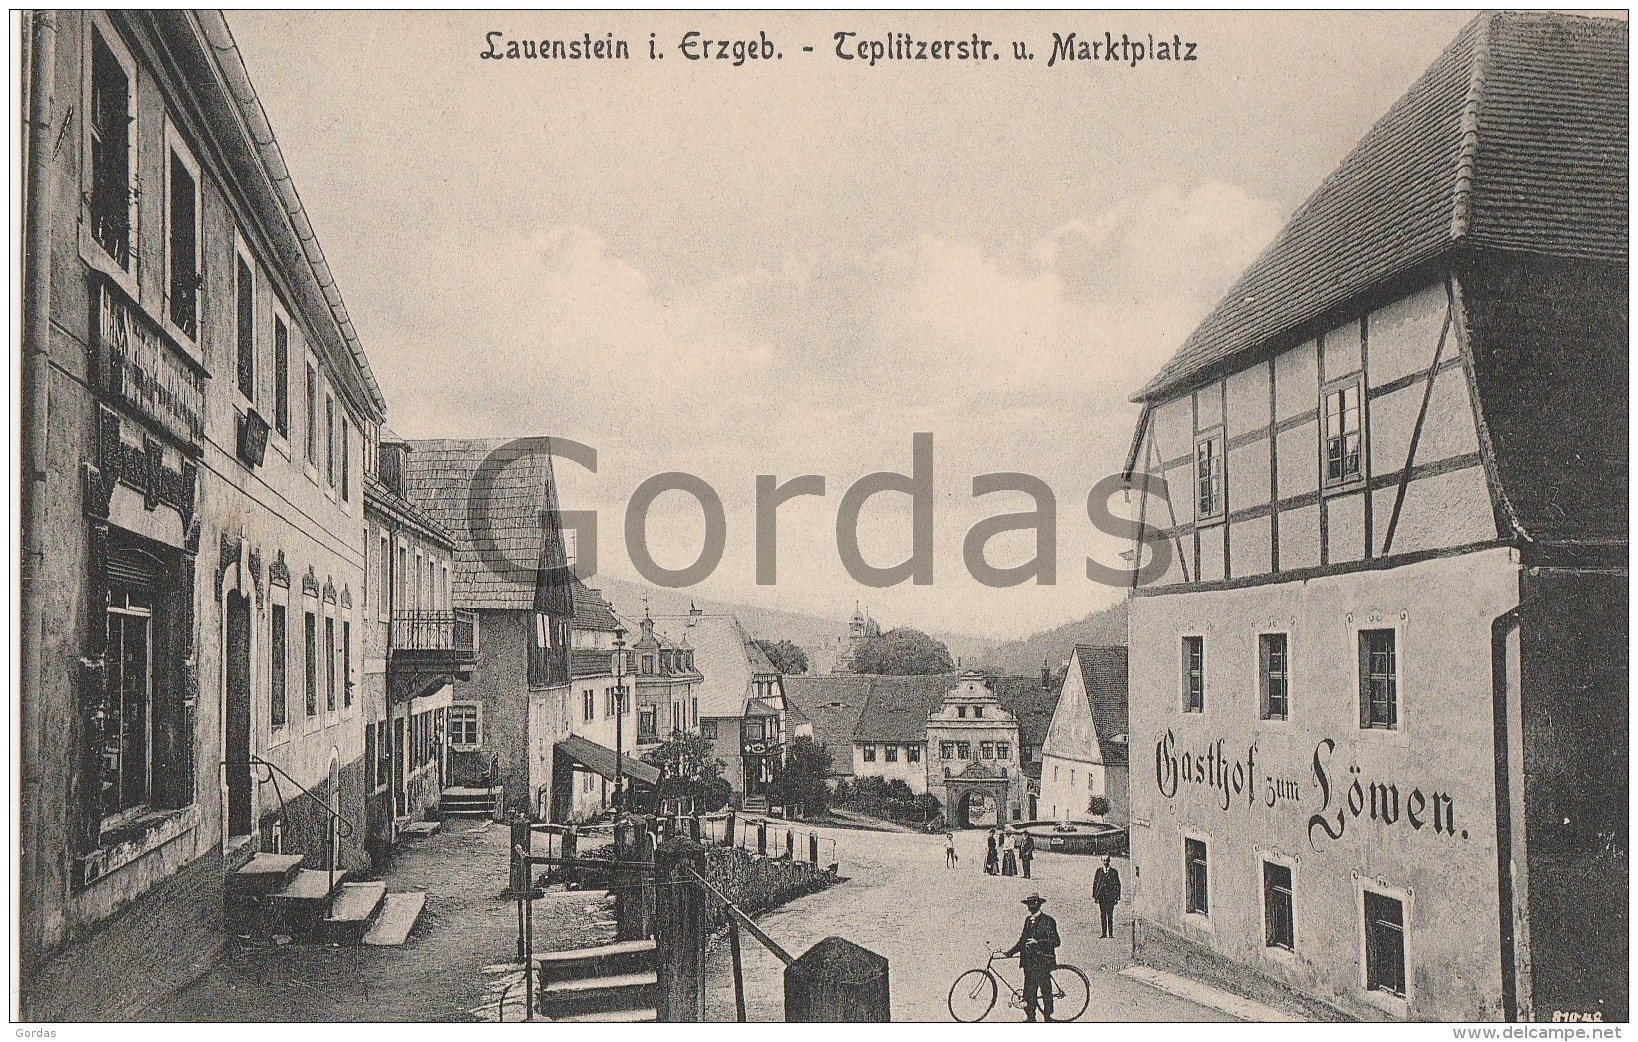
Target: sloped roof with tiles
pixel 500 500
pixel 896 708
pixel 726 658
pixel 592 610
pixel 1091 714
pixel 1516 138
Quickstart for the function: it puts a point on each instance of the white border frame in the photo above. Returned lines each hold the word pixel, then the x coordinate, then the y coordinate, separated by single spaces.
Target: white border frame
pixel 1396 1005
pixel 1378 619
pixel 1183 678
pixel 175 145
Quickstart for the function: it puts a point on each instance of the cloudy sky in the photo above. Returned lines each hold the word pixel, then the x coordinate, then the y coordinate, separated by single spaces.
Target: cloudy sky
pixel 790 266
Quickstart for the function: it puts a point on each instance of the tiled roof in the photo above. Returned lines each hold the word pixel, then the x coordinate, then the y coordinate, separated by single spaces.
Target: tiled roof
pixel 378 496
pixel 589 662
pixel 1514 139
pixel 592 610
pixel 508 533
pixel 896 708
pixel 726 659
pixel 832 704
pixel 1103 671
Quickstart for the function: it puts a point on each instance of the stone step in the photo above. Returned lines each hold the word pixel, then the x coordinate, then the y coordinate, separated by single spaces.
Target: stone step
pixel 266 873
pixel 396 918
pixel 420 829
pixel 299 907
pixel 617 1016
pixel 355 905
pixel 624 991
pixel 605 960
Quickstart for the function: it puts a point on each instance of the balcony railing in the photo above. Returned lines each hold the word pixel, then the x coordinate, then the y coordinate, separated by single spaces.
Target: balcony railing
pixel 451 633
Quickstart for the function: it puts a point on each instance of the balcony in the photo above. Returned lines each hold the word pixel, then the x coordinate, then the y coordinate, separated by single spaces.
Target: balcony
pixel 429 649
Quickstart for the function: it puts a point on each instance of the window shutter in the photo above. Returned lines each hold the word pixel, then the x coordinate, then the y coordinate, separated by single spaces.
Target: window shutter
pixel 1364 681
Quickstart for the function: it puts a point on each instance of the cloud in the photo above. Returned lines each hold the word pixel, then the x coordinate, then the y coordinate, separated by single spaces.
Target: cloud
pixel 1018 357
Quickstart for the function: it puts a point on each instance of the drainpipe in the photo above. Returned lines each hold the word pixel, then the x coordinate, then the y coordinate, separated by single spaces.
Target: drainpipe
pixel 36 376
pixel 1501 628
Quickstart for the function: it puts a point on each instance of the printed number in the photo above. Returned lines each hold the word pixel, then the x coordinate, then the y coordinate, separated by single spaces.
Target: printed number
pixel 1594 1017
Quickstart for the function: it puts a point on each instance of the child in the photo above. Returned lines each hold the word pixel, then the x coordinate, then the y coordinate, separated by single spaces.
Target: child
pixel 950 858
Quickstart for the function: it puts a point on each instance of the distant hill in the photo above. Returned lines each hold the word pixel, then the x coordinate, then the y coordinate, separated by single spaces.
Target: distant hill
pixel 815 633
pixel 1024 657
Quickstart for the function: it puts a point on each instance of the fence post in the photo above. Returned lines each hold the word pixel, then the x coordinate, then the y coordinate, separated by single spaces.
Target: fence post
pixel 837 981
pixel 520 868
pixel 679 933
pixel 627 883
pixel 728 829
pixel 790 844
pixel 762 838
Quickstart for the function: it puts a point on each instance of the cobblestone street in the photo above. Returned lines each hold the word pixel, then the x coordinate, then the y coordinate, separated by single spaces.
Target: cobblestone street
pixel 931 923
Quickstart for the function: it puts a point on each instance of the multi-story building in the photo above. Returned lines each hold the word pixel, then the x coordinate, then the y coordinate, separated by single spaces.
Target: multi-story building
pixel 668 701
pixel 196 403
pixel 970 739
pixel 416 645
pixel 1383 678
pixel 1084 758
pixel 499 498
pixel 741 703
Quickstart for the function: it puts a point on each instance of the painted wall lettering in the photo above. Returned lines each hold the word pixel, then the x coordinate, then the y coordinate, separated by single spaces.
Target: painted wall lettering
pixel 1352 796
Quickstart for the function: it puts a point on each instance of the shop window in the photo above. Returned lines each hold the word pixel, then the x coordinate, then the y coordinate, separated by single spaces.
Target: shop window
pixel 1194 674
pixel 1209 478
pixel 1275 677
pixel 1378 679
pixel 1279 924
pixel 110 128
pixel 1196 887
pixel 278 707
pixel 1384 944
pixel 1343 443
pixel 127 740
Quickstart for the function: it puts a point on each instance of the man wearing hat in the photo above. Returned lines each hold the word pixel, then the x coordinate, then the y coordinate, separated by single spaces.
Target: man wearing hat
pixel 1037 951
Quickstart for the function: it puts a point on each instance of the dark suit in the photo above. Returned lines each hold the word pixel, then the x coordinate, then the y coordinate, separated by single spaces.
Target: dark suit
pixel 1037 951
pixel 1106 892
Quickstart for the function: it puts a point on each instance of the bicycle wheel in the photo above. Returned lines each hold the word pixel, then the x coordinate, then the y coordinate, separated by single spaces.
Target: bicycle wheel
pixel 972 996
pixel 1071 991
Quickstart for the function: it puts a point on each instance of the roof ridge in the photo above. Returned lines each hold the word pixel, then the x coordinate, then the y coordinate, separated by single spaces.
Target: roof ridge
pixel 1462 201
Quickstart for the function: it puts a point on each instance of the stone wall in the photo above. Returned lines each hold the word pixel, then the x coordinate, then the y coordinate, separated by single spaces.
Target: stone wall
pixel 1154 945
pixel 756 883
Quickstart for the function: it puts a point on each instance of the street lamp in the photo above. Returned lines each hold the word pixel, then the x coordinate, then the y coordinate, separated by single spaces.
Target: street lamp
pixel 619 718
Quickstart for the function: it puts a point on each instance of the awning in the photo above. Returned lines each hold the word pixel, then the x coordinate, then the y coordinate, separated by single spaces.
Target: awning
pixel 599 760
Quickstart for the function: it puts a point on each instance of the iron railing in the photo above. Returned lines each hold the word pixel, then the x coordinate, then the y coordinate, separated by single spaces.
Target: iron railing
pixel 454 632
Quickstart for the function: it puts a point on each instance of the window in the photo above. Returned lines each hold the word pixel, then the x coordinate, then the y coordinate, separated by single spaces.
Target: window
pixel 383 763
pixel 1378 680
pixel 312 415
pixel 964 751
pixel 1274 675
pixel 1279 929
pixel 608 703
pixel 330 664
pixel 110 127
pixel 346 481
pixel 869 754
pixel 946 750
pixel 912 754
pixel 891 753
pixel 588 782
pixel 277 707
pixel 330 440
pixel 126 752
pixel 182 245
pixel 346 663
pixel 311 663
pixel 1003 750
pixel 961 712
pixel 987 750
pixel 372 766
pixel 588 705
pixel 978 712
pixel 244 317
pixel 1194 876
pixel 1208 475
pixel 1194 674
pixel 281 377
pixel 755 729
pixel 463 726
pixel 1384 944
pixel 381 587
pixel 1342 439
pixel 1072 778
pixel 708 729
pixel 648 726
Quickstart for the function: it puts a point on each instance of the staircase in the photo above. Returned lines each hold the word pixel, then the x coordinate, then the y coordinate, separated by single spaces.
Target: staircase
pixel 274 894
pixel 610 984
pixel 467 801
pixel 754 805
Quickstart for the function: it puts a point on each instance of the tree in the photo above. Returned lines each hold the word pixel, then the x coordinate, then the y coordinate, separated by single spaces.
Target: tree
pixel 689 771
pixel 807 765
pixel 902 651
pixel 786 656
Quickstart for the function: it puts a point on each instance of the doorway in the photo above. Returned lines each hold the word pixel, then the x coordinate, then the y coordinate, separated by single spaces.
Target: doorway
pixel 237 722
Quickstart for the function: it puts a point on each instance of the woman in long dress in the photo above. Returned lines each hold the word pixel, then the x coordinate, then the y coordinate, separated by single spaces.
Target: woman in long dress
pixel 991 856
pixel 1009 857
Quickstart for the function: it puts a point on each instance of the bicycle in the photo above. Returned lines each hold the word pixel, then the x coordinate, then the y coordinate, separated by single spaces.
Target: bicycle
pixel 973 994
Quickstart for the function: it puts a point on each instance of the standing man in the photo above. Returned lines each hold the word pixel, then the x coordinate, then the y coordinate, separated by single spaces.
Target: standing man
pixel 1037 951
pixel 1026 853
pixel 1106 892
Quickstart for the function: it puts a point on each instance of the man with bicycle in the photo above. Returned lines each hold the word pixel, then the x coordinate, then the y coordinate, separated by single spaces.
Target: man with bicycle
pixel 1037 951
